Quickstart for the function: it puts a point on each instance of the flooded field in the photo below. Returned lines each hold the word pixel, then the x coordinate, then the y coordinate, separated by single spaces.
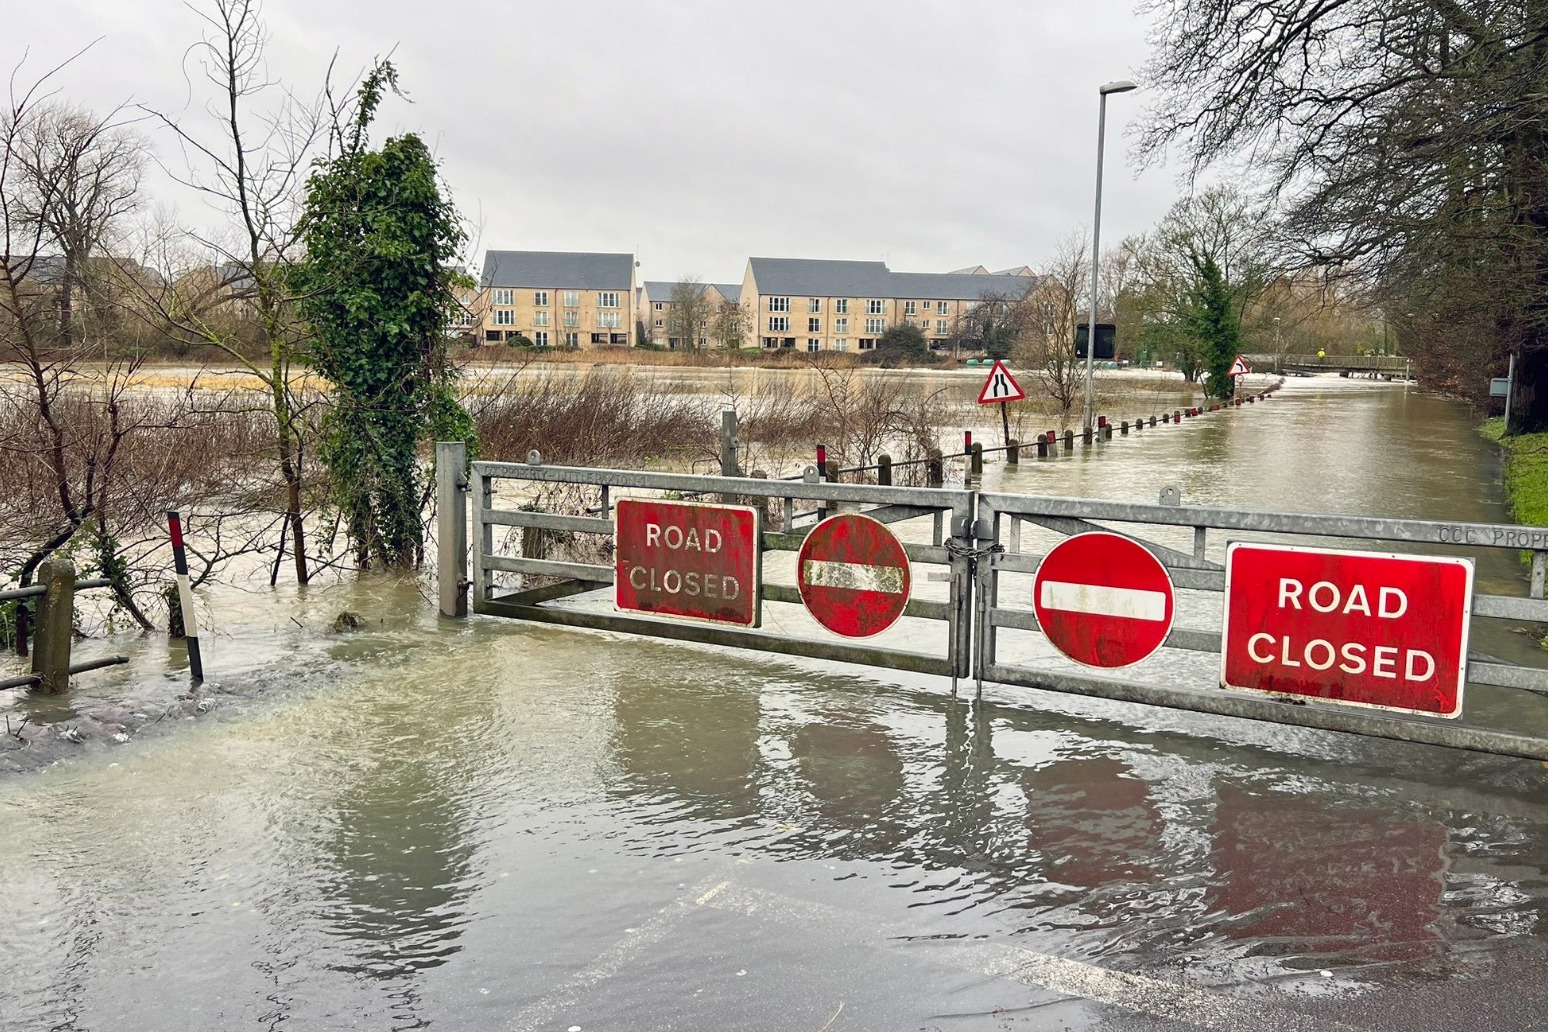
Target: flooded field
pixel 505 826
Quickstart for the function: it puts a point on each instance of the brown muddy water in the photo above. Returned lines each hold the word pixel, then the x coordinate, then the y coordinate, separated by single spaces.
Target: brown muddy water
pixel 494 825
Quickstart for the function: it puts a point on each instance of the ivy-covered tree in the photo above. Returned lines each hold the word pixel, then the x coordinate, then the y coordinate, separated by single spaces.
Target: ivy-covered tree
pixel 1213 322
pixel 377 287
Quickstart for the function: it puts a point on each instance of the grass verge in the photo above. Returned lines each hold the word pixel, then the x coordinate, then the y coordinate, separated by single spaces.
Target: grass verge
pixel 1526 471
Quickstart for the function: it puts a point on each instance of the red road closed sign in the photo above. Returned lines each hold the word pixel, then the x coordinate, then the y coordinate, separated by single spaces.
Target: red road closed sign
pixel 853 575
pixel 702 562
pixel 1103 599
pixel 1363 628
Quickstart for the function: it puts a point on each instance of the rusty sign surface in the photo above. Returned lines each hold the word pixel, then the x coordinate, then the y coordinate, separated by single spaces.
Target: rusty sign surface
pixel 1362 628
pixel 1103 599
pixel 853 575
pixel 688 560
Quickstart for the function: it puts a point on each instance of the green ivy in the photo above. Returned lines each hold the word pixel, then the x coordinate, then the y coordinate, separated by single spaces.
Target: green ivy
pixel 377 286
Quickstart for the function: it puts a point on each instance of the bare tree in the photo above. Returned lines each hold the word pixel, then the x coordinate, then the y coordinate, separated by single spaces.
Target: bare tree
pixel 251 163
pixel 728 324
pixel 78 177
pixel 692 311
pixel 1051 312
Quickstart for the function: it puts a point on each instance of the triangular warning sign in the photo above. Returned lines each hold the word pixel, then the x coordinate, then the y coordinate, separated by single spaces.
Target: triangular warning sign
pixel 1001 386
pixel 1239 367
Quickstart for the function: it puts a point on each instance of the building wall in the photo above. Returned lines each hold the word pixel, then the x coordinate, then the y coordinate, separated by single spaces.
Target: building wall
pixel 845 323
pixel 509 309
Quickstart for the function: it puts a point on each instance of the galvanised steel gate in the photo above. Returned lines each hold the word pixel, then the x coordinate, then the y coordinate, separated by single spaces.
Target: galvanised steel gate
pixel 972 610
pixel 1185 674
pixel 507 580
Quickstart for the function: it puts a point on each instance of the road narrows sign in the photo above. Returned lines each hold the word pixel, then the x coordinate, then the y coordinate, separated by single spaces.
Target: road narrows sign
pixel 853 575
pixel 1000 386
pixel 1361 628
pixel 1103 599
pixel 681 559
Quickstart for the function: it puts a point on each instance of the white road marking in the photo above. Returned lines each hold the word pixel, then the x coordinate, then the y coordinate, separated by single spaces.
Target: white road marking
pixel 1139 994
pixel 1133 603
pixel 823 573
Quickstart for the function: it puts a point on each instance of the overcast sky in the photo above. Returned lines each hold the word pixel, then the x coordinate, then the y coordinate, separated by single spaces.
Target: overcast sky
pixel 935 135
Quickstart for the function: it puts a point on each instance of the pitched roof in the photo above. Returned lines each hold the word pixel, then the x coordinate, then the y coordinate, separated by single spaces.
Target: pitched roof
pixel 974 270
pixel 812 277
pixel 730 291
pixel 578 270
pixel 661 290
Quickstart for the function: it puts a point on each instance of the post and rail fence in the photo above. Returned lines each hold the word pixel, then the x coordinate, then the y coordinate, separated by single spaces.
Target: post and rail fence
pixel 54 628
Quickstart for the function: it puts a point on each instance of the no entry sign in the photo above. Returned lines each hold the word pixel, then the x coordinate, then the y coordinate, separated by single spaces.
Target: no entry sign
pixel 853 575
pixel 702 562
pixel 1103 599
pixel 1364 628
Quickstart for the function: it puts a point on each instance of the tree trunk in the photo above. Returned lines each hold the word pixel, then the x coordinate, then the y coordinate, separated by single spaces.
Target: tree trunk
pixel 1529 400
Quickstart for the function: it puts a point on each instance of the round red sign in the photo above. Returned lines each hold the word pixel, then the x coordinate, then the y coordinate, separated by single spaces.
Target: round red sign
pixel 1103 599
pixel 853 575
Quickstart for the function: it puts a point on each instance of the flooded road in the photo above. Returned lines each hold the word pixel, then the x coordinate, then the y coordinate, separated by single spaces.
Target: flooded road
pixel 506 826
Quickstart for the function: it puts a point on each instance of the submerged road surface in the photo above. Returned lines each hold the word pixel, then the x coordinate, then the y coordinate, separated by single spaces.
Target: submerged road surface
pixel 515 827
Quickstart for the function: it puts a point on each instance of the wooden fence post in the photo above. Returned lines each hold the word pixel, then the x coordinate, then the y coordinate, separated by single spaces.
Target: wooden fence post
pixel 54 626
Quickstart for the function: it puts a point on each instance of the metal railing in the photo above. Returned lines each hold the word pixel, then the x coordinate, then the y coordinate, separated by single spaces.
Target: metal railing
pixel 55 628
pixel 1003 518
pixel 798 506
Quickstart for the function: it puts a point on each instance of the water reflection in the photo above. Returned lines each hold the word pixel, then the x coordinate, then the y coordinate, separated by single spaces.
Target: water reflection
pixel 1172 846
pixel 1306 875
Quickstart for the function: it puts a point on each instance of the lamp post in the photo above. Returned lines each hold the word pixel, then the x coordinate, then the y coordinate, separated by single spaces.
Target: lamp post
pixel 1122 86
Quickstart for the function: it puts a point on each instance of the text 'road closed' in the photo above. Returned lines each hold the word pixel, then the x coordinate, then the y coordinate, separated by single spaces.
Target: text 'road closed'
pixel 680 559
pixel 1364 628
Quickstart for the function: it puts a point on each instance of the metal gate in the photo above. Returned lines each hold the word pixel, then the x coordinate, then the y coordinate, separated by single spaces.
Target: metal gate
pixel 935 534
pixel 974 611
pixel 1006 522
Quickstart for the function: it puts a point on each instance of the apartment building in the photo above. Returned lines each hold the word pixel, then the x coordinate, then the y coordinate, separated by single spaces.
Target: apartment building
pixel 820 305
pixel 558 298
pixel 656 309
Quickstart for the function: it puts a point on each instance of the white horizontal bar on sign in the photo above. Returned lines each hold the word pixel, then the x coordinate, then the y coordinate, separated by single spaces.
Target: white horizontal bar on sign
pixel 822 573
pixel 1099 599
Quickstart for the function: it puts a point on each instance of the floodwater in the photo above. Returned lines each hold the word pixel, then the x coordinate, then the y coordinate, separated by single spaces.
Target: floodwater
pixel 504 826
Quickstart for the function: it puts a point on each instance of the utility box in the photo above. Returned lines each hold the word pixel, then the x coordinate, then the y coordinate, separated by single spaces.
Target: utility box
pixel 1499 387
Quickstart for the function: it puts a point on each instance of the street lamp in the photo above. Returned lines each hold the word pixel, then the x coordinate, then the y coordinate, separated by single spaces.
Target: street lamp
pixel 1122 86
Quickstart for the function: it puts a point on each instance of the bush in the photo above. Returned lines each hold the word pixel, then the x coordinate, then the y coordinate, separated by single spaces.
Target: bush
pixel 900 345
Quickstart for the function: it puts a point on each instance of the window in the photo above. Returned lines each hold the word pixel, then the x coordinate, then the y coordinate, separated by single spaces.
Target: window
pixel 910 308
pixel 940 308
pixel 659 306
pixel 504 296
pixel 841 345
pixel 620 338
pixel 813 305
pixel 504 317
pixel 840 325
pixel 771 342
pixel 779 323
pixel 608 320
pixel 660 323
pixel 540 298
pixel 814 325
pixel 940 327
pixel 875 306
pixel 607 299
pixel 841 306
pixel 876 326
pixel 572 318
pixel 540 338
pixel 866 344
pixel 571 298
pixel 572 340
pixel 493 335
pixel 540 319
pixel 599 338
pixel 779 304
pixel 813 344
